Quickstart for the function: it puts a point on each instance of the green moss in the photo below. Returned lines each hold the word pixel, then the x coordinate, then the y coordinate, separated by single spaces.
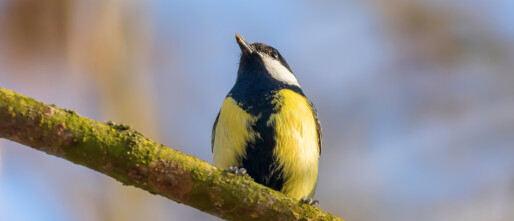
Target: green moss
pixel 116 126
pixel 198 175
pixel 70 111
pixel 116 149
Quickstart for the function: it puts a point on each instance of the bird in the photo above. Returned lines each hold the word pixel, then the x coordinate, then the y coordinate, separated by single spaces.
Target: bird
pixel 266 126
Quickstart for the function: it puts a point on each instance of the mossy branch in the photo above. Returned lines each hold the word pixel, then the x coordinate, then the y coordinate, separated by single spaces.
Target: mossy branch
pixel 126 155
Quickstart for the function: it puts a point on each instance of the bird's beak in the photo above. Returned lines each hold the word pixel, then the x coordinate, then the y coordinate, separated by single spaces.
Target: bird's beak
pixel 245 47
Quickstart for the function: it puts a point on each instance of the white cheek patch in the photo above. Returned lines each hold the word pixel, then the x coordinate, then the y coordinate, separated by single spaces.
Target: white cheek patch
pixel 278 71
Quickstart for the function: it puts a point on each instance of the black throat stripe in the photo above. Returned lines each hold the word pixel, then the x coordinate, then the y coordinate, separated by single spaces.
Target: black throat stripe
pixel 257 100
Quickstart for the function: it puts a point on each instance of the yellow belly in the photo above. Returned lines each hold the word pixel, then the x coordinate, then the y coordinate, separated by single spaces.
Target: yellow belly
pixel 297 143
pixel 233 132
pixel 295 134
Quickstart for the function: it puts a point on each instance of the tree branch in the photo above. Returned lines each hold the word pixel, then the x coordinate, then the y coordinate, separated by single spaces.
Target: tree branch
pixel 121 152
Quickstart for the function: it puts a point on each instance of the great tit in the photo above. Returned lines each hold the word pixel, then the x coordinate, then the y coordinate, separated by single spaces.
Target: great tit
pixel 267 125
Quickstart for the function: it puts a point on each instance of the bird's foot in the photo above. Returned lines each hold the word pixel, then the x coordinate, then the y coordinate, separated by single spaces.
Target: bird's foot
pixel 236 170
pixel 310 201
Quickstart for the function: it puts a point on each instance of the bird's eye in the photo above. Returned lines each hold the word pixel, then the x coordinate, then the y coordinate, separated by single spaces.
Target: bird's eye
pixel 274 54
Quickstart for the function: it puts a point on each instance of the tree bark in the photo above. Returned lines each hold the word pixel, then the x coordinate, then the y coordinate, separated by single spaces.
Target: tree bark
pixel 124 154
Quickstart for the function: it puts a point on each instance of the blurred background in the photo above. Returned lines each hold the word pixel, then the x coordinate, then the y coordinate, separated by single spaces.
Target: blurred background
pixel 416 98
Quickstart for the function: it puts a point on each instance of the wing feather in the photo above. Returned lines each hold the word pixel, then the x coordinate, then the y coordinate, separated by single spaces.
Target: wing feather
pixel 318 126
pixel 213 134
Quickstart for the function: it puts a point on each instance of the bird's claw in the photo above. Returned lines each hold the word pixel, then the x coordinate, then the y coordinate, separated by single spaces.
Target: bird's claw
pixel 310 201
pixel 236 170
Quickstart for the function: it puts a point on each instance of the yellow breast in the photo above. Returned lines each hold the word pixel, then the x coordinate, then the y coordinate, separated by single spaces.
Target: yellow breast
pixel 297 143
pixel 295 134
pixel 233 132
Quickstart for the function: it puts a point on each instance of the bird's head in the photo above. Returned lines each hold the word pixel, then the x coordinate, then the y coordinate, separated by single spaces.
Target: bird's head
pixel 261 59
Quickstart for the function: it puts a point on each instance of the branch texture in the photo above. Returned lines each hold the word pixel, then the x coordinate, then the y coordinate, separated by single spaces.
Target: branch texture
pixel 121 152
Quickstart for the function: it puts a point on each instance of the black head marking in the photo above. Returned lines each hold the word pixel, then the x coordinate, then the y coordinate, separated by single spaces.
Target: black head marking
pixel 267 50
pixel 251 60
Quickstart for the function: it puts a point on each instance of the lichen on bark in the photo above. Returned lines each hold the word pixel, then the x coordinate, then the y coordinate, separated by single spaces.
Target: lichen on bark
pixel 123 153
